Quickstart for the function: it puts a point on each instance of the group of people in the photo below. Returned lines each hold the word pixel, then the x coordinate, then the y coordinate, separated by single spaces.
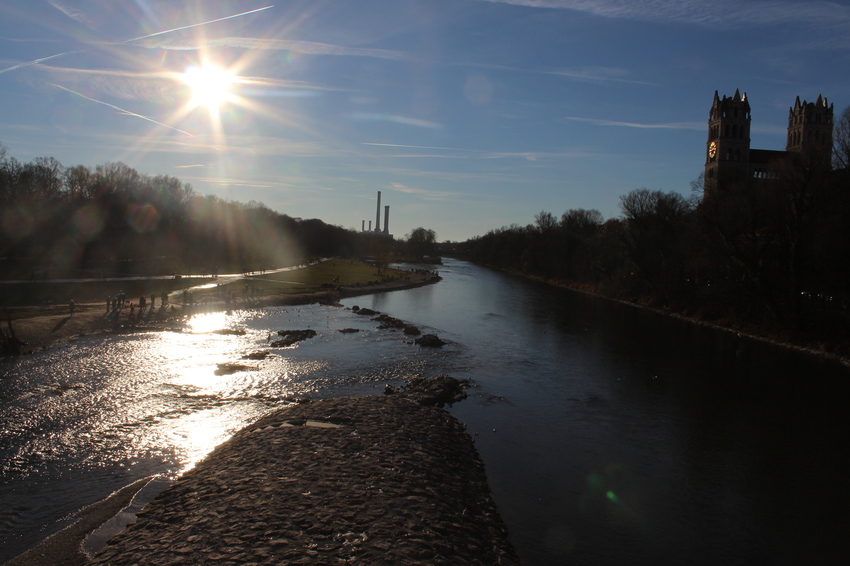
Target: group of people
pixel 118 302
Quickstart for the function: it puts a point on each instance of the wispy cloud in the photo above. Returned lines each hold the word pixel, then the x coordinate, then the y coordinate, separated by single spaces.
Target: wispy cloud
pixel 29 40
pixel 527 155
pixel 397 119
pixel 597 75
pixel 304 47
pixel 197 148
pixel 73 13
pixel 234 182
pixel 583 74
pixel 726 13
pixel 253 146
pixel 664 126
pixel 457 153
pixel 426 156
pixel 419 146
pixel 488 174
pixel 425 194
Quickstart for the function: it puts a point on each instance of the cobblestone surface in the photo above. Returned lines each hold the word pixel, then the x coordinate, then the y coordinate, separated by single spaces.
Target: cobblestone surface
pixel 370 480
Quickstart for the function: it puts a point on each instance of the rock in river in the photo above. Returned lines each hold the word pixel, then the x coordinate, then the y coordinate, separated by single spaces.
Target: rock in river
pixel 430 341
pixel 290 337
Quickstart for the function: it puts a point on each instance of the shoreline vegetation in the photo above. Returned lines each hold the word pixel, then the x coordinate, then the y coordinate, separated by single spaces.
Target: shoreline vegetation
pixel 28 329
pixel 764 257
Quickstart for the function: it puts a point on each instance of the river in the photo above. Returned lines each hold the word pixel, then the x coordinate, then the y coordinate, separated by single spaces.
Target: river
pixel 610 435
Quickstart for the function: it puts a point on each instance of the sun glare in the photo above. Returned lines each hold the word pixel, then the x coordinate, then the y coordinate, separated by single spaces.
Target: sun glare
pixel 210 86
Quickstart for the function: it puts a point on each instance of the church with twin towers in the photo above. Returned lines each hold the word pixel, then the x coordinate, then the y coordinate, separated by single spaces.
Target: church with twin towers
pixel 729 159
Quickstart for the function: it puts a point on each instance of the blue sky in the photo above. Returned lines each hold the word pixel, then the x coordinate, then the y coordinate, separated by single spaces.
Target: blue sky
pixel 467 115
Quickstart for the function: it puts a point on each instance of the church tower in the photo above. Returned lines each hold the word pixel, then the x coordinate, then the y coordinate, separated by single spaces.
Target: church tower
pixel 810 127
pixel 727 152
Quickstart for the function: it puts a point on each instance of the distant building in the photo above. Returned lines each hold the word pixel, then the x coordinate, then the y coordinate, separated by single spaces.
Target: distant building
pixel 728 157
pixel 386 231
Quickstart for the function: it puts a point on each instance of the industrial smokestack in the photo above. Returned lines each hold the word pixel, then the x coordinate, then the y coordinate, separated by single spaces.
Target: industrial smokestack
pixel 363 226
pixel 387 220
pixel 370 225
pixel 378 214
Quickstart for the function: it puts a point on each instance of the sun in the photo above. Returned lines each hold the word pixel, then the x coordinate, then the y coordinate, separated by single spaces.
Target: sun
pixel 210 86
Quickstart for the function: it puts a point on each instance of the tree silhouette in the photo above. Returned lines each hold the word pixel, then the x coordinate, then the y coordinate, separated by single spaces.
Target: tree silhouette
pixel 421 242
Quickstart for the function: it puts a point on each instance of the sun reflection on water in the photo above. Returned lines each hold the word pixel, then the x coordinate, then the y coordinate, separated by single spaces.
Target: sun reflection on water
pixel 208 322
pixel 189 409
pixel 102 410
pixel 198 434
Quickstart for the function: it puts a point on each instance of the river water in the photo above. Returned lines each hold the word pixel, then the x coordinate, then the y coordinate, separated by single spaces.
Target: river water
pixel 611 435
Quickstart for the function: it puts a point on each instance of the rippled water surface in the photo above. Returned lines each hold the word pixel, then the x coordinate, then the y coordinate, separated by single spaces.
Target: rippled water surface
pixel 610 435
pixel 86 418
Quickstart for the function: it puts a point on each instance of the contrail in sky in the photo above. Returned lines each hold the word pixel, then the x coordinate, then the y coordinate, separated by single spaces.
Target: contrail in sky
pixel 127 112
pixel 42 60
pixel 421 147
pixel 196 25
pixel 37 61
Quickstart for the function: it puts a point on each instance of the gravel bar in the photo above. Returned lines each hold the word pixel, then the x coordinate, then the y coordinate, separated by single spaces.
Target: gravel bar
pixel 390 479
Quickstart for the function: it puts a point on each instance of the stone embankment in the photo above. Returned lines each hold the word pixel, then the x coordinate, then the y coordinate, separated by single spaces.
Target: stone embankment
pixel 390 479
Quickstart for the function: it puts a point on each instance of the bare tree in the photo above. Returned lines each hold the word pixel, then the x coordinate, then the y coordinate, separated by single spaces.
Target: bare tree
pixel 77 180
pixel 420 242
pixel 580 221
pixel 545 222
pixel 656 223
pixel 841 141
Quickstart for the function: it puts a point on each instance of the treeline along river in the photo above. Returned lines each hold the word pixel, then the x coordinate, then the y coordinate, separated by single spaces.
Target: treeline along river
pixel 611 435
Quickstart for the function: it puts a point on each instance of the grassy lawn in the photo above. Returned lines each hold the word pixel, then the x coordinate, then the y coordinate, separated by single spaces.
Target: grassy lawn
pixel 312 278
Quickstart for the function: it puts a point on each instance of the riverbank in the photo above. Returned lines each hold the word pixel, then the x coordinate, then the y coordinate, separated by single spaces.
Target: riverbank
pixel 40 328
pixel 834 351
pixel 65 547
pixel 388 479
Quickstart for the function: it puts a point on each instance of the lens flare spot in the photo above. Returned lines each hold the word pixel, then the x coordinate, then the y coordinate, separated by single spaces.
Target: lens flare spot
pixel 20 222
pixel 478 90
pixel 612 496
pixel 88 222
pixel 143 218
pixel 595 481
